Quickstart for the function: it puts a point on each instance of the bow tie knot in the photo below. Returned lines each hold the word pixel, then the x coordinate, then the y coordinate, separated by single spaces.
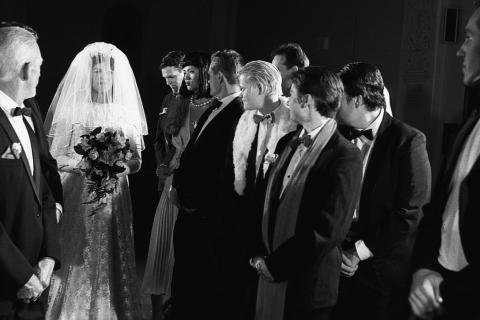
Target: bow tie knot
pixel 306 140
pixel 21 112
pixel 259 118
pixel 351 133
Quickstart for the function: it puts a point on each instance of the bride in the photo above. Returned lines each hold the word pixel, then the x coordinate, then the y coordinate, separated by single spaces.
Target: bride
pixel 97 279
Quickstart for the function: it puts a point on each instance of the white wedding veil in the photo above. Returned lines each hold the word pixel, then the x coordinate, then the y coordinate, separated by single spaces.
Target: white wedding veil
pixel 99 89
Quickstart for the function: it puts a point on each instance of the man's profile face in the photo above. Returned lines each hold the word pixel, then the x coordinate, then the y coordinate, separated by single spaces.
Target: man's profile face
pixel 34 73
pixel 173 77
pixel 286 73
pixel 251 97
pixel 470 50
pixel 213 79
pixel 346 110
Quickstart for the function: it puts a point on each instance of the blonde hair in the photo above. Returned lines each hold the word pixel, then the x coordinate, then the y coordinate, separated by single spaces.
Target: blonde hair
pixel 264 75
pixel 17 47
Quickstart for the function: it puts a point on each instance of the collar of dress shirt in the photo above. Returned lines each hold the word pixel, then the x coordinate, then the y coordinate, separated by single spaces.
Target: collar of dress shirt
pixel 375 125
pixel 226 100
pixel 274 111
pixel 7 103
pixel 312 133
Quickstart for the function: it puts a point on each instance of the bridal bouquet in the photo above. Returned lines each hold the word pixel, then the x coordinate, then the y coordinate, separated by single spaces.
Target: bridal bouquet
pixel 103 153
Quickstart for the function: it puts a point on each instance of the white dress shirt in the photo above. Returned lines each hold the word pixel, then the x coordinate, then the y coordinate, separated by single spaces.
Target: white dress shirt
pixel 264 132
pixel 7 105
pixel 225 102
pixel 297 156
pixel 451 254
pixel 366 147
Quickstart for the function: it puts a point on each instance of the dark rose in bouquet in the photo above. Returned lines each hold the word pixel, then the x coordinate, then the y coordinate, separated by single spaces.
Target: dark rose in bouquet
pixel 103 155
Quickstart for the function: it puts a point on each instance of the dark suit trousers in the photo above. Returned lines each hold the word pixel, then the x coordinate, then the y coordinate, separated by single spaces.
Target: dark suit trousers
pixel 17 310
pixel 314 314
pixel 195 269
pixel 363 296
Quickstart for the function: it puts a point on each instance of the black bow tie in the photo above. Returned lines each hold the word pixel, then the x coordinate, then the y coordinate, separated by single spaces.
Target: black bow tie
pixel 351 133
pixel 306 140
pixel 259 118
pixel 21 112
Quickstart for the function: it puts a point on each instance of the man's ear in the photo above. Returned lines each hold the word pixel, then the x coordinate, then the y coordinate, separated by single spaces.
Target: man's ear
pixel 358 101
pixel 221 77
pixel 293 69
pixel 25 71
pixel 306 100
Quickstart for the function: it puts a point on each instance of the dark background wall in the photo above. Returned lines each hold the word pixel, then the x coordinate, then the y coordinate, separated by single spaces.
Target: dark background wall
pixel 402 37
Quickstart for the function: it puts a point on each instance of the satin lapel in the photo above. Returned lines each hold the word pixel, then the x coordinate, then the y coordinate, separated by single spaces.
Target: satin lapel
pixel 457 147
pixel 7 127
pixel 274 185
pixel 376 157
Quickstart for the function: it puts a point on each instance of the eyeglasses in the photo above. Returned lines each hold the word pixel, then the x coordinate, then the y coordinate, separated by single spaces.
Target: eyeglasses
pixel 6 24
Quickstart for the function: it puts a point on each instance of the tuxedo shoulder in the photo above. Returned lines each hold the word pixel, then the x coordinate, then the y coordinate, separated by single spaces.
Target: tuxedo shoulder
pixel 342 145
pixel 283 142
pixel 406 132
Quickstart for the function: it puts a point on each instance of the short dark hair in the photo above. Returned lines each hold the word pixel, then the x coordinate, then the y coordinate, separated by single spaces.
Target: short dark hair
pixel 5 24
pixel 228 63
pixel 293 53
pixel 323 85
pixel 364 79
pixel 172 59
pixel 200 60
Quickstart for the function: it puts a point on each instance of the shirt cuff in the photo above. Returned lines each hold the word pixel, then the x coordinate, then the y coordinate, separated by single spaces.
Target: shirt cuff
pixel 362 250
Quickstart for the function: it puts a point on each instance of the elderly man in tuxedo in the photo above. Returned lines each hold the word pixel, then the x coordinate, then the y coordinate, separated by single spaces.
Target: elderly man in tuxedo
pixel 395 186
pixel 29 247
pixel 310 198
pixel 447 252
pixel 195 189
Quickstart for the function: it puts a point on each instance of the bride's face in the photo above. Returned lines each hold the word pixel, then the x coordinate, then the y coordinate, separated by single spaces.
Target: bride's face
pixel 102 78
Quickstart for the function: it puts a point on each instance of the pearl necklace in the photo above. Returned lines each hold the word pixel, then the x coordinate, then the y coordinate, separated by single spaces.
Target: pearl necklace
pixel 201 104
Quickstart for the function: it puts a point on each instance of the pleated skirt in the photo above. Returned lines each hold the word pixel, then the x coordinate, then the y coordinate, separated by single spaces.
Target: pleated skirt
pixel 160 260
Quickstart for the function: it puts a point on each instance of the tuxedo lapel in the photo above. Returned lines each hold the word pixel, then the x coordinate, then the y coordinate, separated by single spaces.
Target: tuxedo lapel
pixel 274 188
pixel 10 132
pixel 377 156
pixel 458 146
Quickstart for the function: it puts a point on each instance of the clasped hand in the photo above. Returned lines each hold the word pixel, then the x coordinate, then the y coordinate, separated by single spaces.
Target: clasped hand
pixel 38 282
pixel 259 264
pixel 425 298
pixel 350 261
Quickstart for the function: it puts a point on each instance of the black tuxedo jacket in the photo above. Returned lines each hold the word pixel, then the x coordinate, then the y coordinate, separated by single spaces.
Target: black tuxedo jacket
pixel 201 174
pixel 395 186
pixel 311 259
pixel 28 225
pixel 458 288
pixel 49 164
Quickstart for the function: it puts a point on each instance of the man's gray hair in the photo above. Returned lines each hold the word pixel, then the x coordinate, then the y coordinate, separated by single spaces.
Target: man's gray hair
pixel 17 47
pixel 264 75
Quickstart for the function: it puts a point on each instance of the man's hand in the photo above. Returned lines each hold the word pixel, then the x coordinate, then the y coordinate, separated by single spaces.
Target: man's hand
pixel 31 291
pixel 350 261
pixel 58 213
pixel 259 264
pixel 425 298
pixel 172 194
pixel 44 270
pixel 163 171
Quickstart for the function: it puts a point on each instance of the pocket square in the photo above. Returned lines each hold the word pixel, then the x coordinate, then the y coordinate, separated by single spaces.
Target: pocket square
pixel 12 152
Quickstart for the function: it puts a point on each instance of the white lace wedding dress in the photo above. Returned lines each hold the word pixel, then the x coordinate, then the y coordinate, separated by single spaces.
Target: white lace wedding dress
pixel 97 278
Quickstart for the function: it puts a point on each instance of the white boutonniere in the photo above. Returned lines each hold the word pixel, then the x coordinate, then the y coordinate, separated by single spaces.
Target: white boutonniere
pixel 16 149
pixel 271 158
